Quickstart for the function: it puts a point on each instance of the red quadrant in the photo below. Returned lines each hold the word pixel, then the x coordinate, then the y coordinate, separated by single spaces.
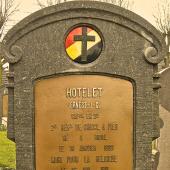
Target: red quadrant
pixel 70 37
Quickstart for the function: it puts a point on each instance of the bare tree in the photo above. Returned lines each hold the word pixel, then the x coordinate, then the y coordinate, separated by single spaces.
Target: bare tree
pixel 122 3
pixel 7 8
pixel 162 19
pixel 49 2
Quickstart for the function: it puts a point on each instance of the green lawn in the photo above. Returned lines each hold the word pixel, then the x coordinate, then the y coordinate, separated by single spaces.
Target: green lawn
pixel 7 151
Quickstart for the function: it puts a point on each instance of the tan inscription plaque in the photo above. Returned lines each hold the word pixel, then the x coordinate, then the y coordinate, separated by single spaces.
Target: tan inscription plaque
pixel 84 122
pixel 5 106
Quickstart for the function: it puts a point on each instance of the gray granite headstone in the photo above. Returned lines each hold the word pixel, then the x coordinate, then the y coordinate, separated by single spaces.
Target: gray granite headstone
pixel 164 140
pixel 165 90
pixel 128 50
pixel 2 92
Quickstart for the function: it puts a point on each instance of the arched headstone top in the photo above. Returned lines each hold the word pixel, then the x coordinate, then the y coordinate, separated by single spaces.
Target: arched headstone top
pixel 79 59
pixel 153 52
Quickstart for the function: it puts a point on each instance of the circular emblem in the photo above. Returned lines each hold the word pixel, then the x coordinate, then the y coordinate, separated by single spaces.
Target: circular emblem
pixel 83 44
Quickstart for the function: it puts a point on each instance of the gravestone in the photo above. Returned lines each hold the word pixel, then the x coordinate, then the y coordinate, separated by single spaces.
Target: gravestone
pixel 164 140
pixel 165 90
pixel 83 88
pixel 3 105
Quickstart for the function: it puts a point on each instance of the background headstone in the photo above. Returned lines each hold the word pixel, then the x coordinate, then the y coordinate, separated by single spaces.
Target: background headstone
pixel 3 91
pixel 165 90
pixel 164 140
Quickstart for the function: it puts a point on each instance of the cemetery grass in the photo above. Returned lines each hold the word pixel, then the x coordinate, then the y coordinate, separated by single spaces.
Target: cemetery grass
pixel 7 151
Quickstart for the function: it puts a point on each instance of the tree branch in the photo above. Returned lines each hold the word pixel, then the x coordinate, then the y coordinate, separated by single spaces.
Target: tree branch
pixel 7 9
pixel 162 16
pixel 122 3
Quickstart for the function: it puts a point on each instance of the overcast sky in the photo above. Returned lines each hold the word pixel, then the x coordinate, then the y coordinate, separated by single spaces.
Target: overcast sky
pixel 144 8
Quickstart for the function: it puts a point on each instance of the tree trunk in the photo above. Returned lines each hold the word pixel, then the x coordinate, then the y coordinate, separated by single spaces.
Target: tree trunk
pixel 168 53
pixel 167 57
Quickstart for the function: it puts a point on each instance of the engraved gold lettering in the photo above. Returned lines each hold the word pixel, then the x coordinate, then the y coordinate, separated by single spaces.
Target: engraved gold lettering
pixel 84 92
pixel 86 159
pixel 86 125
pixel 84 105
pixel 100 137
pixel 72 159
pixel 86 168
pixel 104 168
pixel 111 158
pixel 56 159
pixel 61 148
pixel 108 147
pixel 113 126
pixel 72 148
pixel 65 138
pixel 87 148
pixel 91 126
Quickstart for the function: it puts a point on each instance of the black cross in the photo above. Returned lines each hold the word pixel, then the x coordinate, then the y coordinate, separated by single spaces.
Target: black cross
pixel 84 38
